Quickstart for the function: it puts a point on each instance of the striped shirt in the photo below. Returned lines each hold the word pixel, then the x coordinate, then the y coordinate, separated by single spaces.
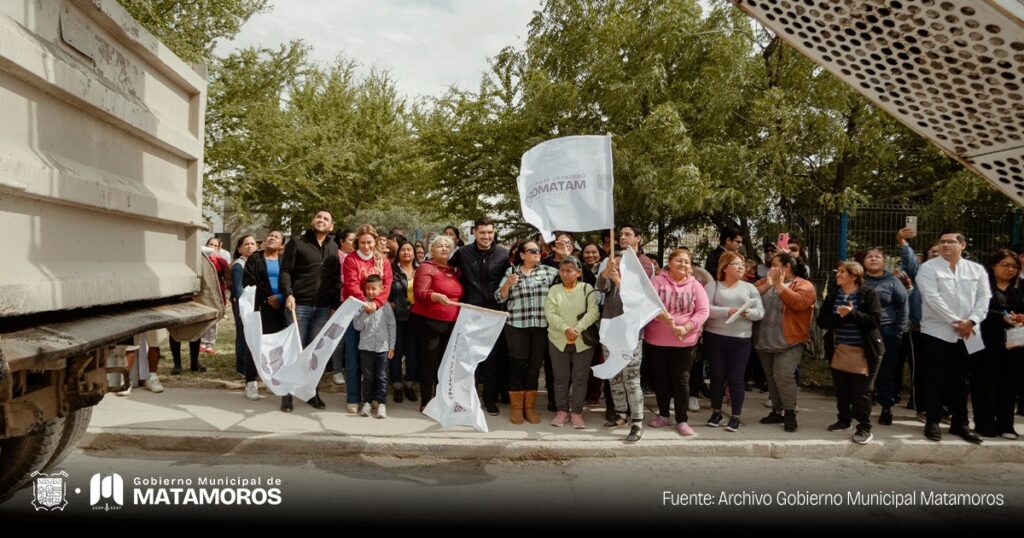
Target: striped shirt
pixel 847 331
pixel 525 301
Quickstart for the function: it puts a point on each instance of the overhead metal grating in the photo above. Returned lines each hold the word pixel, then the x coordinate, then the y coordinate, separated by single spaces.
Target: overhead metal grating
pixel 951 71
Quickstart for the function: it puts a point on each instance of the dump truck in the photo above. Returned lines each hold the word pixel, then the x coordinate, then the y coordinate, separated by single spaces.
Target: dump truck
pixel 101 167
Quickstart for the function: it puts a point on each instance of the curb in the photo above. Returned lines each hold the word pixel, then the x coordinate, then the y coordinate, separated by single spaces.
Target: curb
pixel 335 445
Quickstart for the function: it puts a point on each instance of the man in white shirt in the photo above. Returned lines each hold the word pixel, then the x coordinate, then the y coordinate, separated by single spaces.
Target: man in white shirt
pixel 954 300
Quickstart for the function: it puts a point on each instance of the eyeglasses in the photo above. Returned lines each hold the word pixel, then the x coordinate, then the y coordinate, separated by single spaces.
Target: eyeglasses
pixel 1008 266
pixel 737 264
pixel 531 251
pixel 949 242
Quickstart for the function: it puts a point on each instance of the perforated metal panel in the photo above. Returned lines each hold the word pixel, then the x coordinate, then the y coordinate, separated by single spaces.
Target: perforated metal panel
pixel 951 71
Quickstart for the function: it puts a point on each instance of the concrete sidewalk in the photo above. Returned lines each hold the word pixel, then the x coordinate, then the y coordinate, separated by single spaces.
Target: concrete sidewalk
pixel 224 422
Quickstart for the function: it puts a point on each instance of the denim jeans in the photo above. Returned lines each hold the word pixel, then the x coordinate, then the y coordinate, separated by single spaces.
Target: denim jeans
pixel 311 320
pixel 887 385
pixel 375 375
pixel 727 356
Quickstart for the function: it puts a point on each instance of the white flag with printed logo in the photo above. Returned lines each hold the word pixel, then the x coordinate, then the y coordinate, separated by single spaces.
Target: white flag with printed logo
pixel 640 304
pixel 567 184
pixel 456 402
pixel 285 367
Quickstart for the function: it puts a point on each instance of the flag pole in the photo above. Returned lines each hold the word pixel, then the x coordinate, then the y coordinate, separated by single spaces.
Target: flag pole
pixel 297 335
pixel 480 308
pixel 611 253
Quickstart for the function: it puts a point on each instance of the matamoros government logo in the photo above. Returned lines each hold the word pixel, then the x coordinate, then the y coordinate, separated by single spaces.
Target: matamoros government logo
pixel 110 492
pixel 49 491
pixel 106 492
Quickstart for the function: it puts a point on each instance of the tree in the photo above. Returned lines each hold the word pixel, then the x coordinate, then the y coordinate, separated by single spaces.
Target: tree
pixel 192 28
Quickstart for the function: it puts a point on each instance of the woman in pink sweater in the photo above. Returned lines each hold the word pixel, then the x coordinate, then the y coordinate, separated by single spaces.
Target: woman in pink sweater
pixel 672 337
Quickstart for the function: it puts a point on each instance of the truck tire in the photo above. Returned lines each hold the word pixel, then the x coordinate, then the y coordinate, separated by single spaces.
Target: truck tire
pixel 75 425
pixel 24 455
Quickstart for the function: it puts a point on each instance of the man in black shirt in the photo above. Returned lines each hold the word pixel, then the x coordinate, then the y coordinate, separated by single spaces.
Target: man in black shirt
pixel 730 239
pixel 481 265
pixel 311 283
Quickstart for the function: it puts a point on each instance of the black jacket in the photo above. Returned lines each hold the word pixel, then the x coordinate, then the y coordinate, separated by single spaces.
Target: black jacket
pixel 993 328
pixel 399 297
pixel 480 273
pixel 256 275
pixel 867 317
pixel 711 265
pixel 311 272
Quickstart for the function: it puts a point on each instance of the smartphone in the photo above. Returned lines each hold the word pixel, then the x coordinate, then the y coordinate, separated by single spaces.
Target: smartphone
pixel 912 223
pixel 783 242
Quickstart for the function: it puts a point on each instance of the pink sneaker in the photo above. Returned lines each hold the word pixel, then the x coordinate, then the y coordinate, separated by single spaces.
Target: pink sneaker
pixel 560 419
pixel 659 422
pixel 577 421
pixel 684 429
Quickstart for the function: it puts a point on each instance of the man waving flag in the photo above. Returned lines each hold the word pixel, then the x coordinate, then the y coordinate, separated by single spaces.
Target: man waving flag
pixel 640 304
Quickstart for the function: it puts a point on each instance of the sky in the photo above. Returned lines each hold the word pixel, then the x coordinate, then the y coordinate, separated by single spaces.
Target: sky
pixel 426 45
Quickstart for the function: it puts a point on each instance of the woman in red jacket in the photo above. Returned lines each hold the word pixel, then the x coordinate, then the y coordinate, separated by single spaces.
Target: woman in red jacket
pixel 361 263
pixel 435 287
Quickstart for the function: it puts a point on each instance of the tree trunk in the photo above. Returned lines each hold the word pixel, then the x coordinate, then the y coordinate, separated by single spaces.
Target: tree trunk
pixel 661 239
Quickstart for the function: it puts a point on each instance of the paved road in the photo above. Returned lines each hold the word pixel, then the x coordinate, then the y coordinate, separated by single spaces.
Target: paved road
pixel 392 492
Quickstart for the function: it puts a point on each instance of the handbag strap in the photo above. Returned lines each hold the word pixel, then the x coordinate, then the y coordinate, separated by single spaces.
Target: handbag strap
pixel 585 297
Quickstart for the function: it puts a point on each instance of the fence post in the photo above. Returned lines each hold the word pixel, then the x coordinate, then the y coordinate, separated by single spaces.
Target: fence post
pixel 1015 234
pixel 844 230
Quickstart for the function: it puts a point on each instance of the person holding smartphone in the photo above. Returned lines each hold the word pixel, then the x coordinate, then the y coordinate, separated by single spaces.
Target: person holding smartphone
pixel 524 291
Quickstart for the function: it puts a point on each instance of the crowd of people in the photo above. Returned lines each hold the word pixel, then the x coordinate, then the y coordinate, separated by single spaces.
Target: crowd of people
pixel 737 321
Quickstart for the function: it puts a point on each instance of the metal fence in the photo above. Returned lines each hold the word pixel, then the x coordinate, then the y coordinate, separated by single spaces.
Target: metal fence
pixel 829 238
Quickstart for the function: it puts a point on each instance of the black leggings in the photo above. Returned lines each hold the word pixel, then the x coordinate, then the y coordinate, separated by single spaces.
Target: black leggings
pixel 526 349
pixel 193 353
pixel 670 367
pixel 432 338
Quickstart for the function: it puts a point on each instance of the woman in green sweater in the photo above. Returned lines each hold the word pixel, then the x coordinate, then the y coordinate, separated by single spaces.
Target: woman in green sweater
pixel 570 309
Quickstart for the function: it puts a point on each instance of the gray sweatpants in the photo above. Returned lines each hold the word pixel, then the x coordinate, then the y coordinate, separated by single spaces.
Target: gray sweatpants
pixel 570 366
pixel 626 390
pixel 780 371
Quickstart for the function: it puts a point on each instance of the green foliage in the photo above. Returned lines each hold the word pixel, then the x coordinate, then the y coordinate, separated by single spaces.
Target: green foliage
pixel 286 136
pixel 191 28
pixel 713 119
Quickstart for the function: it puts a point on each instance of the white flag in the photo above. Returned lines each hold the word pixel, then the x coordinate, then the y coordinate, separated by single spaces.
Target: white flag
pixel 456 403
pixel 566 184
pixel 640 304
pixel 285 367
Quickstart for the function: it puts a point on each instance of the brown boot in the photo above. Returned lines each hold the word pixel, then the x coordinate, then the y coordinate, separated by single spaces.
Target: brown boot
pixel 516 403
pixel 530 407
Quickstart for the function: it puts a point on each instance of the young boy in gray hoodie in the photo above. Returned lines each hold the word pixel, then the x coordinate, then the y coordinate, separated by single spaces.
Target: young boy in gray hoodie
pixel 377 334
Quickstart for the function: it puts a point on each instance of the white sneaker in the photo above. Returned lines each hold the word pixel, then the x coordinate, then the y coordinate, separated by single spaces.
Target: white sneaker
pixel 365 411
pixel 382 411
pixel 126 391
pixel 339 378
pixel 694 404
pixel 352 408
pixel 252 391
pixel 153 384
pixel 768 403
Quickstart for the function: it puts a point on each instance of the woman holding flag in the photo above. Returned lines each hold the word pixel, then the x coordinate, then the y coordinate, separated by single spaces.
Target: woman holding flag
pixel 673 336
pixel 435 287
